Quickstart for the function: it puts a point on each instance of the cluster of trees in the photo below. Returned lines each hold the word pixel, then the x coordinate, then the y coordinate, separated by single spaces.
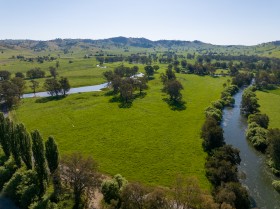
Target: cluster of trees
pixel 28 163
pixel 267 79
pixel 223 160
pixel 184 194
pixel 242 79
pixel 172 86
pixel 249 103
pixel 55 87
pixel 257 130
pixel 31 166
pixel 35 73
pixel 39 59
pixel 124 81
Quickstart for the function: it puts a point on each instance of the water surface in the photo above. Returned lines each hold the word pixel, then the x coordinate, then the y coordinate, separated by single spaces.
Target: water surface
pixel 253 163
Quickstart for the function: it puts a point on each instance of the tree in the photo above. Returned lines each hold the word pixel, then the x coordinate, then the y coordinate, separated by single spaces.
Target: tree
pixel 57 64
pixel 133 196
pixel 14 143
pixel 249 103
pixel 173 88
pixel 186 194
pixel 141 83
pixel 20 83
pixel 19 75
pixel 35 73
pixel 212 135
pixel 4 135
pixel 261 119
pixel 111 189
pixel 80 174
pixel 52 86
pixel 52 154
pixel 4 75
pixel 34 85
pixel 39 160
pixel 149 70
pixel 65 85
pixel 25 145
pixel 126 89
pixel 53 71
pixel 156 67
pixel 274 146
pixel 10 93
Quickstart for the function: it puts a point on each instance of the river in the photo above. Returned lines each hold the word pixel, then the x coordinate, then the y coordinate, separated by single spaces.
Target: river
pixel 71 91
pixel 253 164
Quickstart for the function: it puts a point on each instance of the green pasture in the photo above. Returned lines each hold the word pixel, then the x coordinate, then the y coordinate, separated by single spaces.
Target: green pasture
pixel 270 105
pixel 148 142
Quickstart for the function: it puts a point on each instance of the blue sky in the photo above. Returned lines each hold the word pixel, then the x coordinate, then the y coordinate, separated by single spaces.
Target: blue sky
pixel 245 22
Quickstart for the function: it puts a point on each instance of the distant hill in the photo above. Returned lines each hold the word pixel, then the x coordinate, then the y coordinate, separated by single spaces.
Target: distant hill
pixel 265 49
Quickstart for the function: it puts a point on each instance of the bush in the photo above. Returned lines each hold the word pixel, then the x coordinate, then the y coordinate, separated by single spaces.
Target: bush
pixel 22 188
pixel 261 119
pixel 219 104
pixel 257 136
pixel 214 113
pixel 276 185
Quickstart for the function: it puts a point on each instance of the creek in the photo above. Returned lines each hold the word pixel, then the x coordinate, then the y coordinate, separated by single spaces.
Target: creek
pixel 257 176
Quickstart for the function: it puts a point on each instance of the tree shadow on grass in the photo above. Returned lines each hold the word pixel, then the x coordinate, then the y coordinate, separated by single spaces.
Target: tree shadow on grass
pixel 49 99
pixel 128 103
pixel 175 105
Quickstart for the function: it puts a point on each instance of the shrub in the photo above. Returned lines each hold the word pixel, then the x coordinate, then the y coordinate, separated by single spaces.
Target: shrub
pixel 276 185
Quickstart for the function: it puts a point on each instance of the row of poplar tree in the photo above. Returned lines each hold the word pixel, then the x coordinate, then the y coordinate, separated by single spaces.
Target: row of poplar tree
pixel 29 151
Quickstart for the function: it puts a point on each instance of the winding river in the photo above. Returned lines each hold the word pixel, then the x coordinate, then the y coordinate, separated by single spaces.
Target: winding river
pixel 253 164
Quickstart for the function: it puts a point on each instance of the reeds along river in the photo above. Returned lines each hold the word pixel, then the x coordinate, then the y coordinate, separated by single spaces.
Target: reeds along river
pixel 256 175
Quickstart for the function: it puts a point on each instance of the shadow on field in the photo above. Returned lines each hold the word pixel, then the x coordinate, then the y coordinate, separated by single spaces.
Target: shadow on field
pixel 126 103
pixel 49 99
pixel 175 105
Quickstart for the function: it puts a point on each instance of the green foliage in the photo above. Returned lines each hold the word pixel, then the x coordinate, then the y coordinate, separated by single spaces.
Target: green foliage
pixel 261 119
pixel 4 135
pixel 7 171
pixel 39 160
pixel 222 165
pixel 111 189
pixel 274 147
pixel 249 104
pixel 218 104
pixel 212 135
pixel 215 113
pixel 24 141
pixel 234 194
pixel 22 188
pixel 257 136
pixel 276 185
pixel 52 154
pixel 14 144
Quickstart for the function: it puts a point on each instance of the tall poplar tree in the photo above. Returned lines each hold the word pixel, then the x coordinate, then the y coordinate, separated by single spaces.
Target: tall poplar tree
pixel 24 140
pixel 39 160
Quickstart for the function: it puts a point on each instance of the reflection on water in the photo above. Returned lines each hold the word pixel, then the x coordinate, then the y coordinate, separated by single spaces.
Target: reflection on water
pixel 253 165
pixel 6 204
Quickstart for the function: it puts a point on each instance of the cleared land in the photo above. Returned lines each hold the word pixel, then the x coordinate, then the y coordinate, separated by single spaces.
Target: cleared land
pixel 148 142
pixel 269 104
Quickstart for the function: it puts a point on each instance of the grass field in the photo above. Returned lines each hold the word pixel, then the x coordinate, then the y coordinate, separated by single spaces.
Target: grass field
pixel 148 142
pixel 269 104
